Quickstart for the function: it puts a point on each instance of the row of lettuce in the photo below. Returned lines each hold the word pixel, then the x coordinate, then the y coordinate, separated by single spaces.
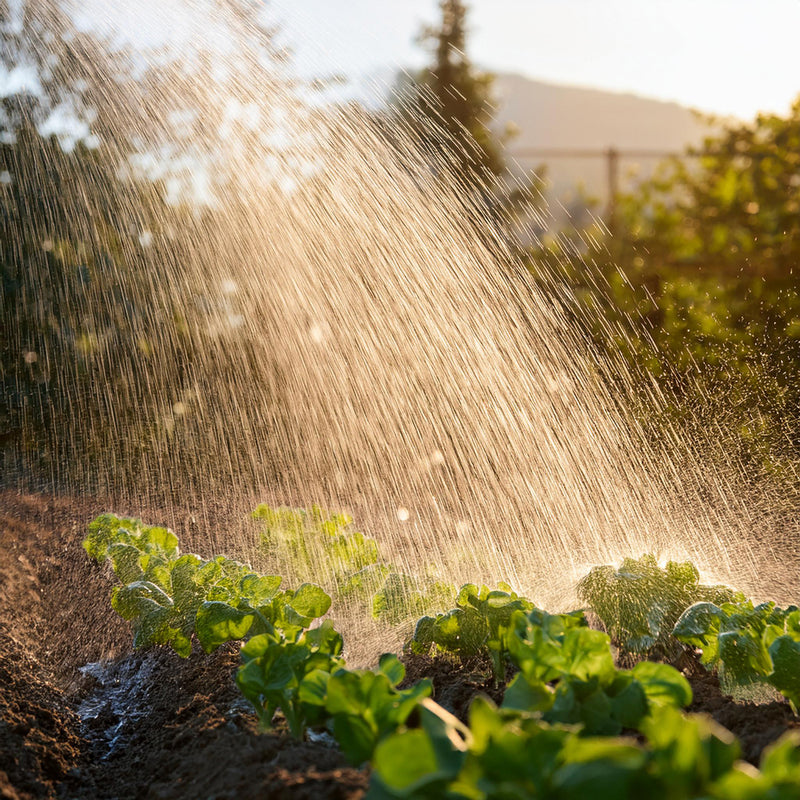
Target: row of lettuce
pixel 559 730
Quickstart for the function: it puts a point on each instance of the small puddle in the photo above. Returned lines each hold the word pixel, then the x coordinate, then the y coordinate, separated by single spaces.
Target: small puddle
pixel 117 702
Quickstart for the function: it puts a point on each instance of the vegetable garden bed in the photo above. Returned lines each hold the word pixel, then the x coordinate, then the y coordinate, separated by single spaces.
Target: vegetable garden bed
pixel 149 724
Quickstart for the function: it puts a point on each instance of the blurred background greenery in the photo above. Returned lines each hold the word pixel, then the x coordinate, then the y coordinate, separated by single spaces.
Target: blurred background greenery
pixel 691 276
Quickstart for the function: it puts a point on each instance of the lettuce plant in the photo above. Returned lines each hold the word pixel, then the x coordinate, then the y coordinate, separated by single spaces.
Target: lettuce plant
pixel 169 596
pixel 307 680
pixel 508 754
pixel 286 673
pixel 478 624
pixel 363 706
pixel 314 542
pixel 402 597
pixel 567 673
pixel 747 643
pixel 325 544
pixel 640 602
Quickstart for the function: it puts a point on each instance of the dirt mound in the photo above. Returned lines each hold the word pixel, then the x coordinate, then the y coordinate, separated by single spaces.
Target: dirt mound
pixel 40 747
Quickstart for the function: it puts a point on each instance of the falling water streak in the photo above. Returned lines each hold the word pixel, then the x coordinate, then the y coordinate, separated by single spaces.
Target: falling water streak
pixel 337 326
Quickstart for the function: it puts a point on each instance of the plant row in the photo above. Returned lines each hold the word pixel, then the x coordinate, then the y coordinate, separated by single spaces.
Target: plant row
pixel 571 723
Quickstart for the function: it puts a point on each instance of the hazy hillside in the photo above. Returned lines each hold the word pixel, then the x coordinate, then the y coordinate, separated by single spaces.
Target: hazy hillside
pixel 566 117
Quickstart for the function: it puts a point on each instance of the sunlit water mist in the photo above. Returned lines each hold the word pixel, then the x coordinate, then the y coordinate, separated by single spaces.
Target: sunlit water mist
pixel 329 323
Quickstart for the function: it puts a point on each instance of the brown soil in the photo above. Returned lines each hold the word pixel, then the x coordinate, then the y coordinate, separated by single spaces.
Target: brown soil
pixel 81 716
pixel 755 725
pixel 455 683
pixel 185 732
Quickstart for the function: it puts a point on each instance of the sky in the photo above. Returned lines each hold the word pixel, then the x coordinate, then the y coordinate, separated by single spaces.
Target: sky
pixel 729 57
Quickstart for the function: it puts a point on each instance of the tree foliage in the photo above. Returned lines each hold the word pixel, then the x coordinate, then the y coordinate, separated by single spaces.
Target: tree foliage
pixel 700 286
pixel 450 102
pixel 98 151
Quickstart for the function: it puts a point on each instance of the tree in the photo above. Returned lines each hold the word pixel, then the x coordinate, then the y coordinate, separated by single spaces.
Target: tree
pixel 450 103
pixel 110 314
pixel 700 284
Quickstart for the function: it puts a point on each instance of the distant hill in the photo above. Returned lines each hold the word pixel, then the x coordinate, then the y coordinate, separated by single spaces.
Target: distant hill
pixel 567 117
pixel 551 116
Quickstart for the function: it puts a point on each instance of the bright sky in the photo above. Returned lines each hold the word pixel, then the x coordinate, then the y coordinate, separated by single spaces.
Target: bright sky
pixel 725 56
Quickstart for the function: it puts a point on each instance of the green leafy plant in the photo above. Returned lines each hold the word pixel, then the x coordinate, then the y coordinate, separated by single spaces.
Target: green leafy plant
pixel 324 544
pixel 523 749
pixel 285 665
pixel 315 541
pixel 403 597
pixel 169 596
pixel 747 643
pixel 567 673
pixel 508 754
pixel 290 674
pixel 478 624
pixel 363 706
pixel 307 680
pixel 640 602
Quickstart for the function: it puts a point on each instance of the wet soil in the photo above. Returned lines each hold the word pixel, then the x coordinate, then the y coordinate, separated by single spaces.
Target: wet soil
pixel 756 725
pixel 82 716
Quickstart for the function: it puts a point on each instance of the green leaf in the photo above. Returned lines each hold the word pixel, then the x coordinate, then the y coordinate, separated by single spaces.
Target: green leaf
pixel 325 638
pixel 629 706
pixel 523 694
pixel 689 747
pixel 447 630
pixel 182 644
pixel 106 530
pixel 160 540
pixel 158 571
pixel 683 574
pixel 310 601
pixel 355 736
pixel 697 623
pixel 405 763
pixel 391 666
pixel 138 598
pixel 125 561
pixel 185 590
pixel 587 654
pixel 603 769
pixel 259 589
pixel 218 622
pixel 594 710
pixel 663 685
pixel 423 634
pixel 348 690
pixel 744 655
pixel 467 596
pixel 785 657
pixel 153 627
pixel 780 761
pixel 257 646
pixel 313 688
